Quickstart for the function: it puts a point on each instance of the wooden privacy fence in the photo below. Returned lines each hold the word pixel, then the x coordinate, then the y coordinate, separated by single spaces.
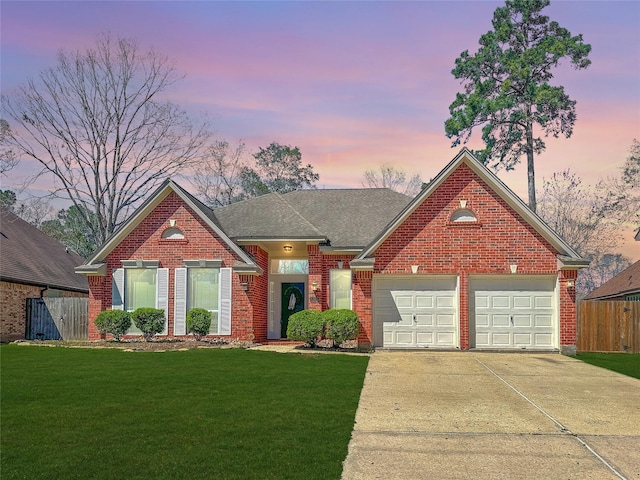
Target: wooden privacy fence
pixel 608 326
pixel 57 318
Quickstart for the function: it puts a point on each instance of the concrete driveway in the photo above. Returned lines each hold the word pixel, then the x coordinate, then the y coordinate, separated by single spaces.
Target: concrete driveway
pixel 464 415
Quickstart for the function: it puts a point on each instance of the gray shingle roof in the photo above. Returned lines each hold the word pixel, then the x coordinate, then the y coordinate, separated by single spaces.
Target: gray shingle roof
pixel 29 256
pixel 345 217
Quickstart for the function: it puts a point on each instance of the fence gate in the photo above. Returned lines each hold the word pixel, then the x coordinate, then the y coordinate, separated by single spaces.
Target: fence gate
pixel 57 318
pixel 608 326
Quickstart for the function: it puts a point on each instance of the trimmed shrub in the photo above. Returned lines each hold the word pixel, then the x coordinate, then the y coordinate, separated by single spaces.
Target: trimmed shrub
pixel 342 325
pixel 115 322
pixel 198 322
pixel 149 321
pixel 306 326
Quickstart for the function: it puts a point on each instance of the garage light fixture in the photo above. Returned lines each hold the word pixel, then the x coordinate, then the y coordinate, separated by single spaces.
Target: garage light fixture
pixel 514 268
pixel 340 264
pixel 571 283
pixel 414 268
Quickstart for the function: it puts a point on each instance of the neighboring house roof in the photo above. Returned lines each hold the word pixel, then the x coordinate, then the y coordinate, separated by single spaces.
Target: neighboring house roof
pixel 626 282
pixel 346 218
pixel 566 255
pixel 31 257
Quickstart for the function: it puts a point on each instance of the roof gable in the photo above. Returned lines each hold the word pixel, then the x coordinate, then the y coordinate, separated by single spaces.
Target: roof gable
pixel 146 208
pixel 465 157
pixel 29 256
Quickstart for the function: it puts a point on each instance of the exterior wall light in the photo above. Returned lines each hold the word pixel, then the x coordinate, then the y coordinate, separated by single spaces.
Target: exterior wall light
pixel 340 264
pixel 571 283
pixel 314 285
pixel 513 268
pixel 414 268
pixel 245 286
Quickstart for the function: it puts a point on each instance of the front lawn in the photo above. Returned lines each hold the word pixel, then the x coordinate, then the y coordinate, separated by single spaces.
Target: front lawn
pixel 626 363
pixel 203 413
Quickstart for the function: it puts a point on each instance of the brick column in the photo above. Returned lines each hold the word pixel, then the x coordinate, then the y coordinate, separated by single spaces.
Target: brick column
pixel 97 303
pixel 568 321
pixel 361 294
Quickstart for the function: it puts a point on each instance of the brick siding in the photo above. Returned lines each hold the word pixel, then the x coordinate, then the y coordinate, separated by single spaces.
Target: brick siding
pixel 498 239
pixel 145 242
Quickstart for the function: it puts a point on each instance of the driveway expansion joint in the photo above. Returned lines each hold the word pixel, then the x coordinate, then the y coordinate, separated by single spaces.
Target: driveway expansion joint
pixel 563 429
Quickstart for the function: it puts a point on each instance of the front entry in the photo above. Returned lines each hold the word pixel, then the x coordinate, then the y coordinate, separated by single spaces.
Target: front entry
pixel 291 301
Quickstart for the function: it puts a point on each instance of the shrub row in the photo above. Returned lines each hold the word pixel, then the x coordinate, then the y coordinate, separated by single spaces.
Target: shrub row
pixel 309 326
pixel 149 321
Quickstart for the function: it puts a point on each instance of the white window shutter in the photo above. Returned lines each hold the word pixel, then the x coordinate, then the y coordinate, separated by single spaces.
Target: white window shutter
pixel 180 303
pixel 162 294
pixel 117 289
pixel 225 300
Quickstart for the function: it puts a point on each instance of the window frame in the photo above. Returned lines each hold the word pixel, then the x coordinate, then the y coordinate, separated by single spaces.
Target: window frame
pixel 332 290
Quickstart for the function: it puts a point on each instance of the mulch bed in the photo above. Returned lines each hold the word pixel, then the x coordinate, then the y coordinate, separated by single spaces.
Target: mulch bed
pixel 161 345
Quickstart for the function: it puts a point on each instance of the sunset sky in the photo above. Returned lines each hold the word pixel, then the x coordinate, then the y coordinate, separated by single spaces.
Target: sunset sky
pixel 353 84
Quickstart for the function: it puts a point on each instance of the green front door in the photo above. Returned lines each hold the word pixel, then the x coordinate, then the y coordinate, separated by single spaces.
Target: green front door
pixel 291 301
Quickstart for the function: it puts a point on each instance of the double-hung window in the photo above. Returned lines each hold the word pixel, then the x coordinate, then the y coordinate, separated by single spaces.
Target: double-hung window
pixel 203 291
pixel 203 284
pixel 340 288
pixel 140 284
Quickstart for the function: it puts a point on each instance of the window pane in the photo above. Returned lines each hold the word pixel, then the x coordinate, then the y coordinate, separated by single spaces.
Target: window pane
pixel 203 287
pixel 340 288
pixel 294 266
pixel 140 288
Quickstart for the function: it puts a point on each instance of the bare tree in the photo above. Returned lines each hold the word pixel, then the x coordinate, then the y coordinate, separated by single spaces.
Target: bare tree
pixel 8 158
pixel 218 179
pixel 624 191
pixel 388 176
pixel 586 218
pixel 602 269
pixel 97 124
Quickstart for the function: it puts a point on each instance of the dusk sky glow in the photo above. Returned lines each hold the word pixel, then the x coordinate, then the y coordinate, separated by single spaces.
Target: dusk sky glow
pixel 353 84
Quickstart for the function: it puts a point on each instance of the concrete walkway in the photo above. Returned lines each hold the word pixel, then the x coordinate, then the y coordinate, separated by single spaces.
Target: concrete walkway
pixel 463 415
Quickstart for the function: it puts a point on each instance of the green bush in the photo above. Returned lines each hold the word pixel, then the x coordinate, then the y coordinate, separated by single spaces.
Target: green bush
pixel 342 325
pixel 306 326
pixel 149 321
pixel 115 322
pixel 198 322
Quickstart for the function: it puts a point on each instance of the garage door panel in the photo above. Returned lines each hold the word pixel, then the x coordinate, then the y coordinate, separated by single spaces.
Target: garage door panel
pixel 402 300
pixel 516 313
pixel 522 321
pixel 425 307
pixel 520 301
pixel 543 302
pixel 482 320
pixel 499 320
pixel 445 320
pixel 500 302
pixel 424 320
pixel 500 339
pixel 543 320
pixel 424 338
pixel 404 337
pixel 424 301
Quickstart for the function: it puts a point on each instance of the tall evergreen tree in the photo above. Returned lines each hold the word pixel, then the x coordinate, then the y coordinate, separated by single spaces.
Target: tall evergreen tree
pixel 506 87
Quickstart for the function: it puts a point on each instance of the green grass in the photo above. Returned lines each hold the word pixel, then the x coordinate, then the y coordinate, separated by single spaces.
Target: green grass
pixel 626 363
pixel 205 413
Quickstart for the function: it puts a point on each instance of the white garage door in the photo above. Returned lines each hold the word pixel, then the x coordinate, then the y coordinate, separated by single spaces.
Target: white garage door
pixel 514 313
pixel 415 311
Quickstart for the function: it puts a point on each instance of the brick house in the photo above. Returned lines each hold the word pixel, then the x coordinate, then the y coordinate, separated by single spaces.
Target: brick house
pixel 32 265
pixel 464 265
